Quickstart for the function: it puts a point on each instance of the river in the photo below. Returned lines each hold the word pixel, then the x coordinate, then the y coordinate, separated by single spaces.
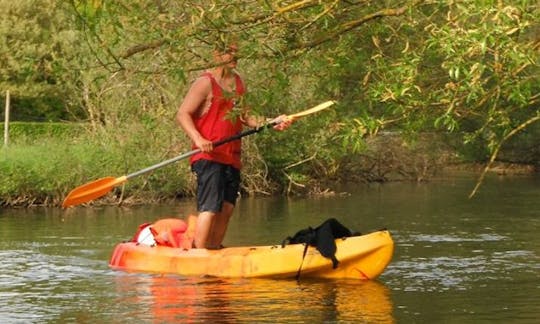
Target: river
pixel 456 260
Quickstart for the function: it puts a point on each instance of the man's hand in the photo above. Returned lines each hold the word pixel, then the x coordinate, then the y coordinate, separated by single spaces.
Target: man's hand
pixel 204 145
pixel 283 122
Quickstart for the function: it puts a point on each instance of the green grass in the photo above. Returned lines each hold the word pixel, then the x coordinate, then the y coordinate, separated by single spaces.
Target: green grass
pixel 32 131
pixel 42 170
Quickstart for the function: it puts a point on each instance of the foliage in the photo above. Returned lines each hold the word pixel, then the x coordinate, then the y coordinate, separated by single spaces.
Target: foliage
pixel 467 68
pixel 40 58
pixel 28 132
pixel 43 176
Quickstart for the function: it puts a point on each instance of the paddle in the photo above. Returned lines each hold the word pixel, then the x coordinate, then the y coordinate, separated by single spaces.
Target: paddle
pixel 101 187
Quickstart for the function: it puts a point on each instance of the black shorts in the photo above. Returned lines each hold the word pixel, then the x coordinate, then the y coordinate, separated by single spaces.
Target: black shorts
pixel 216 183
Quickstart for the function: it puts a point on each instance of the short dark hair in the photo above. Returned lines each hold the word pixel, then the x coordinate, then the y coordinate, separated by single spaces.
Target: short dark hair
pixel 223 42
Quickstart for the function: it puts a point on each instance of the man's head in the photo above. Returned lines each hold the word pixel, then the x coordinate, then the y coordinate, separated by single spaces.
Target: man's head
pixel 225 55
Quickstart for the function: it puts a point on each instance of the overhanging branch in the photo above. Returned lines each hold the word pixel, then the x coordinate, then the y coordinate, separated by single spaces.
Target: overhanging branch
pixel 346 27
pixel 496 151
pixel 142 47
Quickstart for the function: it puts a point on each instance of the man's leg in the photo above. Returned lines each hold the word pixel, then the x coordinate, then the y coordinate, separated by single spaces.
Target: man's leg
pixel 209 187
pixel 231 178
pixel 217 189
pixel 219 225
pixel 204 227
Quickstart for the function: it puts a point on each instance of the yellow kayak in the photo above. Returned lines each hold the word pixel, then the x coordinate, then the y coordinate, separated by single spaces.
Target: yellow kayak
pixel 360 257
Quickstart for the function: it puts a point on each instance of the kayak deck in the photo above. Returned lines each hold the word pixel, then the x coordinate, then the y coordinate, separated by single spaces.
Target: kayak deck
pixel 361 257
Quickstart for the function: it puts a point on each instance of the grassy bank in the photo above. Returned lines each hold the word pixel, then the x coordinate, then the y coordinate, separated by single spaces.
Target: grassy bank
pixel 41 165
pixel 30 132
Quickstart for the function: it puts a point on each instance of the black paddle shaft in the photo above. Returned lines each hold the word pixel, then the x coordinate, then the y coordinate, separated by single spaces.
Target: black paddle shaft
pixel 192 152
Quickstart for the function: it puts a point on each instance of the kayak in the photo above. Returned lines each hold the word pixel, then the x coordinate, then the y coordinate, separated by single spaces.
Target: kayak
pixel 360 257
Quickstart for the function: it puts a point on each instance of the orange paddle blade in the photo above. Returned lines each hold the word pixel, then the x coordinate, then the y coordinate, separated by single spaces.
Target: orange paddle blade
pixel 92 190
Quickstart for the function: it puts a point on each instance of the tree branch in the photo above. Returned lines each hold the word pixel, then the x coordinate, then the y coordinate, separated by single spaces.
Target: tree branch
pixel 356 23
pixel 496 151
pixel 142 47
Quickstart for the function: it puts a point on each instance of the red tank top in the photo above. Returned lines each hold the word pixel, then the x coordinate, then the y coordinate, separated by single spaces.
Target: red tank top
pixel 217 123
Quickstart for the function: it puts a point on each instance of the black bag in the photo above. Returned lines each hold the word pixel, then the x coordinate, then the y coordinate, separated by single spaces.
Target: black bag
pixel 322 237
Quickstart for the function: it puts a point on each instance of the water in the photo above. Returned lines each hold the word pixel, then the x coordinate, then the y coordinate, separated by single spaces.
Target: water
pixel 456 261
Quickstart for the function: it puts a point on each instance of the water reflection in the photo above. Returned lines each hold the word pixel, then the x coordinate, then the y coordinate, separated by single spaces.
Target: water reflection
pixel 167 299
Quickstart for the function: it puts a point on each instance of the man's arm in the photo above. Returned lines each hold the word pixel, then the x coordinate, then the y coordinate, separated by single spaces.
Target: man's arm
pixel 191 106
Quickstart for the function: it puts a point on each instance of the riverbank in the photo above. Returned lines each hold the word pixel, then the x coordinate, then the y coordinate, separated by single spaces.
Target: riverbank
pixel 42 172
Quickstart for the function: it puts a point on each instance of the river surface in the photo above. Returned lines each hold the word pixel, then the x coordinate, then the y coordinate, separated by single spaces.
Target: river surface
pixel 456 261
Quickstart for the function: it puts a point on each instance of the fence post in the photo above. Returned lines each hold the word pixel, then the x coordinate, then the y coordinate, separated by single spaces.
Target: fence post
pixel 6 120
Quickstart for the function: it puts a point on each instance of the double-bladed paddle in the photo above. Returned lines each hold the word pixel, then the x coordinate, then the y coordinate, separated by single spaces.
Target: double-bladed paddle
pixel 101 187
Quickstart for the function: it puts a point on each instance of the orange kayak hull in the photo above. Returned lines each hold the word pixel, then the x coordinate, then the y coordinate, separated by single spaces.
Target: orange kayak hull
pixel 361 257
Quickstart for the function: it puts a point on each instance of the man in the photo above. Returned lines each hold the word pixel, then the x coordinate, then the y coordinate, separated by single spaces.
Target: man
pixel 206 115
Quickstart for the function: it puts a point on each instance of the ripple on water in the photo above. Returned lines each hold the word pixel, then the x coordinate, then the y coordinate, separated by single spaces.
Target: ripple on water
pixel 37 286
pixel 455 261
pixel 457 238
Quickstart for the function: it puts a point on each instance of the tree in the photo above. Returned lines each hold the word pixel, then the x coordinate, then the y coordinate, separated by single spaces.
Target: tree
pixel 39 59
pixel 467 67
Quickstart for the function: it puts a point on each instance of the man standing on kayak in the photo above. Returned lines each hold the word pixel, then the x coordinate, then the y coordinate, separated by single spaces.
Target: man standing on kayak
pixel 206 115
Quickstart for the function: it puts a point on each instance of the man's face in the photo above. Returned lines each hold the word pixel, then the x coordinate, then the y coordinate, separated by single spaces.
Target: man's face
pixel 228 56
